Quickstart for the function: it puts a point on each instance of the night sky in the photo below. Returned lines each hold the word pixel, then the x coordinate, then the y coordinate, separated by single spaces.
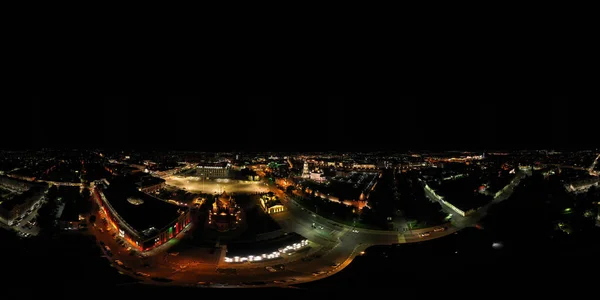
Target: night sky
pixel 289 123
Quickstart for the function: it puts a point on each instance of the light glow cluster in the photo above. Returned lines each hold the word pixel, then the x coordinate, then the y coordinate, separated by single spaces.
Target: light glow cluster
pixel 273 255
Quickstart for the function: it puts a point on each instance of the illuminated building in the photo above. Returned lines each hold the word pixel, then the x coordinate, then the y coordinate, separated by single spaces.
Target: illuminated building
pixel 14 185
pixel 464 211
pixel 225 214
pixel 213 171
pixel 271 204
pixel 317 175
pixel 364 166
pixel 582 185
pixel 149 184
pixel 143 221
pixel 305 172
pixel 20 199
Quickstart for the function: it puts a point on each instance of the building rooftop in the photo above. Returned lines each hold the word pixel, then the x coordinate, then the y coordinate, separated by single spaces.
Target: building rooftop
pixel 23 200
pixel 69 213
pixel 585 182
pixel 498 180
pixel 462 193
pixel 145 180
pixel 140 210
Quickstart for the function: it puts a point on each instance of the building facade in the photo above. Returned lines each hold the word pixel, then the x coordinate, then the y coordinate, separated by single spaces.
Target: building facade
pixel 225 214
pixel 21 199
pixel 271 205
pixel 139 240
pixel 153 188
pixel 213 171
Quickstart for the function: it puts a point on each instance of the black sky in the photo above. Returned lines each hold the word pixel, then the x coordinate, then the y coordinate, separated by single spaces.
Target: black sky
pixel 215 123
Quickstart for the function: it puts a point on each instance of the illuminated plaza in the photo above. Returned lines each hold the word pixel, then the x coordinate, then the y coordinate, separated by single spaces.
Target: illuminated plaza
pixel 218 186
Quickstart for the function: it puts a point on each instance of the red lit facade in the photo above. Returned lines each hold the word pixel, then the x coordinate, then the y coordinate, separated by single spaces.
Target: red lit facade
pixel 133 237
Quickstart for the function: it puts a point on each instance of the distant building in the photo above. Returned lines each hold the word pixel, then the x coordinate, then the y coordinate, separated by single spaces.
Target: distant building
pixel 317 175
pixel 20 200
pixel 150 184
pixel 364 166
pixel 305 171
pixel 582 185
pixel 14 185
pixel 213 170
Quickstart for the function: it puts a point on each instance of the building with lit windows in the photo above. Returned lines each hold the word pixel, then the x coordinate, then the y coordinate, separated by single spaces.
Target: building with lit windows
pixel 582 185
pixel 19 198
pixel 150 184
pixel 213 171
pixel 271 204
pixel 364 166
pixel 305 171
pixel 143 221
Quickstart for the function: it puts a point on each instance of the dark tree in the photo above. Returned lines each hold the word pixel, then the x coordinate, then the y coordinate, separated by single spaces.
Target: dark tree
pixel 290 189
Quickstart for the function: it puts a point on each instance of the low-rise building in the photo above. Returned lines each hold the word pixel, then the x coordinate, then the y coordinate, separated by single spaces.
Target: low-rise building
pixel 150 184
pixel 271 204
pixel 19 199
pixel 582 185
pixel 69 218
pixel 143 221
pixel 364 166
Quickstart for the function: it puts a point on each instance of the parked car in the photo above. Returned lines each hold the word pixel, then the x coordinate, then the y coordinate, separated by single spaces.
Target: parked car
pixel 142 274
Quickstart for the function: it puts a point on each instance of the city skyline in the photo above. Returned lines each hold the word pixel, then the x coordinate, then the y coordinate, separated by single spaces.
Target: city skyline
pixel 185 220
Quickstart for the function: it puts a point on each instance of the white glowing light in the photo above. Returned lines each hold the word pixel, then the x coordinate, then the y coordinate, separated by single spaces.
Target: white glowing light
pixel 275 254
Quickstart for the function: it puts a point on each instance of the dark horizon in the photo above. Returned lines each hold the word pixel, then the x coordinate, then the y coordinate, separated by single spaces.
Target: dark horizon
pixel 292 123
